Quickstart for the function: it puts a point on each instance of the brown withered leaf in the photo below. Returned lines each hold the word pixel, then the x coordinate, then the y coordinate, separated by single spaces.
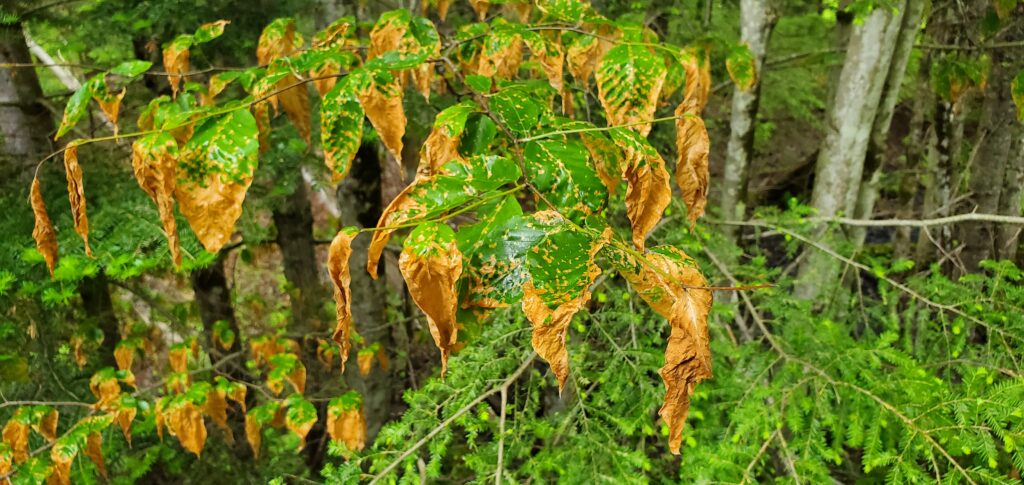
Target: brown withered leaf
pixel 15 434
pixel 295 103
pixel 253 434
pixel 672 285
pixel 383 107
pixel 76 193
pixel 5 467
pixel 338 266
pixel 110 104
pixel 124 416
pixel 154 161
pixel 480 7
pixel 47 425
pixel 212 210
pixel 78 351
pixel 178 358
pixel 365 361
pixel 124 355
pixel 237 394
pixel 648 192
pixel 176 64
pixel 62 455
pixel 698 81
pixel 501 56
pixel 431 264
pixel 43 233
pixel 94 450
pixel 216 407
pixel 693 145
pixel 550 55
pixel 346 422
pixel 106 389
pixel 185 421
pixel 297 378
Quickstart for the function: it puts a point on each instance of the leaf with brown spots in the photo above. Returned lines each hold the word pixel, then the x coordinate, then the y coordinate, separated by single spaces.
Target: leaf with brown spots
pixel 693 146
pixel 345 420
pixel 431 264
pixel 629 81
pixel 62 455
pixel 43 233
pixel 154 160
pixel 76 193
pixel 560 268
pixel 480 7
pixel 670 282
pixel 279 40
pixel 648 192
pixel 105 387
pixel 46 422
pixel 125 414
pixel 502 51
pixel 548 52
pixel 15 434
pixel 338 266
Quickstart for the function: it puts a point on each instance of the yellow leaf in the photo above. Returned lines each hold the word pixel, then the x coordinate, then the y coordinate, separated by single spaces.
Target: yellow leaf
pixel 212 209
pixel 673 286
pixel 124 355
pixel 94 450
pixel 124 417
pixel 501 59
pixel 365 361
pixel 648 192
pixel 347 425
pixel 551 56
pixel 178 358
pixel 185 421
pixel 693 145
pixel 480 7
pixel 431 264
pixel 338 266
pixel 78 351
pixel 176 64
pixel 216 408
pixel 76 193
pixel 252 434
pixel 237 394
pixel 43 233
pixel 383 107
pixel 15 434
pixel 47 426
pixel 111 106
pixel 105 388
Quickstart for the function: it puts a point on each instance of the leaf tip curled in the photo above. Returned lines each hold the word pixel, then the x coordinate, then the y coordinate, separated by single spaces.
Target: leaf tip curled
pixel 338 256
pixel 431 264
pixel 43 232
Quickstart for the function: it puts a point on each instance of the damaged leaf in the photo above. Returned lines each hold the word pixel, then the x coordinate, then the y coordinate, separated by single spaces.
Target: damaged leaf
pixel 76 193
pixel 629 81
pixel 154 160
pixel 648 192
pixel 43 233
pixel 338 266
pixel 693 146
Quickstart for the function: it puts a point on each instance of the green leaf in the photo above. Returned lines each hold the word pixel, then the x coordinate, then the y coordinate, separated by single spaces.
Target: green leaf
pixel 741 67
pixel 210 31
pixel 478 135
pixel 516 109
pixel 427 238
pixel 350 401
pixel 226 144
pixel 453 118
pixel 131 68
pixel 341 128
pixel 561 170
pixel 570 11
pixel 559 262
pixel 78 105
pixel 478 83
pixel 1017 91
pixel 629 81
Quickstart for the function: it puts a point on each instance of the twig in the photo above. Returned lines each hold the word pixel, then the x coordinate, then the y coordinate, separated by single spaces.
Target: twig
pixel 463 410
pixel 954 219
pixel 501 436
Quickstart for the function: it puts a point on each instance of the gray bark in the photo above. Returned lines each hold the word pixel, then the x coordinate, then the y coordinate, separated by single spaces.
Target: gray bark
pixel 25 123
pixel 878 144
pixel 756 22
pixel 840 162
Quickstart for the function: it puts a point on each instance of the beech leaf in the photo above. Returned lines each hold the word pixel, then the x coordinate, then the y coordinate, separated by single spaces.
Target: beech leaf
pixel 43 233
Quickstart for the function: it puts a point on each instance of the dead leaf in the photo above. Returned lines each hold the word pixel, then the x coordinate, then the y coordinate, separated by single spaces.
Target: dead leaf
pixel 365 361
pixel 15 434
pixel 47 425
pixel 124 355
pixel 698 81
pixel 176 64
pixel 185 421
pixel 252 434
pixel 62 455
pixel 178 358
pixel 216 408
pixel 94 450
pixel 648 192
pixel 383 107
pixel 480 7
pixel 106 389
pixel 551 56
pixel 78 351
pixel 154 161
pixel 693 145
pixel 124 416
pixel 501 56
pixel 212 209
pixel 111 106
pixel 43 233
pixel 76 193
pixel 673 286
pixel 346 422
pixel 338 266
pixel 431 264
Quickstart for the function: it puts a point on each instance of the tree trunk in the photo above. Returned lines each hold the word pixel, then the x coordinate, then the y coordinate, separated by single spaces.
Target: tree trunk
pixel 848 128
pixel 25 123
pixel 991 165
pixel 878 144
pixel 213 296
pixel 294 223
pixel 99 311
pixel 756 23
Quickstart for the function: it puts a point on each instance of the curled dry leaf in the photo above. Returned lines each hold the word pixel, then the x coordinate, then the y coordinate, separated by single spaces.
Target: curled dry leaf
pixel 124 416
pixel 185 421
pixel 693 145
pixel 43 233
pixel 176 62
pixel 671 284
pixel 383 106
pixel 124 355
pixel 698 81
pixel 501 55
pixel 550 55
pixel 178 358
pixel 431 264
pixel 365 360
pixel 47 425
pixel 106 389
pixel 338 266
pixel 648 192
pixel 94 450
pixel 216 407
pixel 253 434
pixel 78 351
pixel 15 434
pixel 76 193
pixel 154 158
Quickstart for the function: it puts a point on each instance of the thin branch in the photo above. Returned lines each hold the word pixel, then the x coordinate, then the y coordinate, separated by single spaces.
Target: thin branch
pixel 463 410
pixel 954 219
pixel 501 436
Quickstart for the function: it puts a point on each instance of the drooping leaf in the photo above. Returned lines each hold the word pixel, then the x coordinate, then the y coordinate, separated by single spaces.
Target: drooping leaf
pixel 286 367
pixel 346 422
pixel 442 145
pixel 279 40
pixel 560 268
pixel 382 102
pixel 155 160
pixel 431 264
pixel 629 81
pixel 494 252
pixel 110 105
pixel 693 145
pixel 176 57
pixel 480 7
pixel 209 31
pixel 124 415
pixel 453 185
pixel 607 158
pixel 648 192
pixel 698 80
pixel 124 355
pixel 215 170
pixel 185 422
pixel 15 434
pixel 341 130
pixel 78 106
pixel 669 281
pixel 338 266
pixel 300 417
pixel 43 233
pixel 45 424
pixel 62 455
pixel 94 450
pixel 216 407
pixel 741 67
pixel 548 52
pixel 76 193
pixel 561 170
